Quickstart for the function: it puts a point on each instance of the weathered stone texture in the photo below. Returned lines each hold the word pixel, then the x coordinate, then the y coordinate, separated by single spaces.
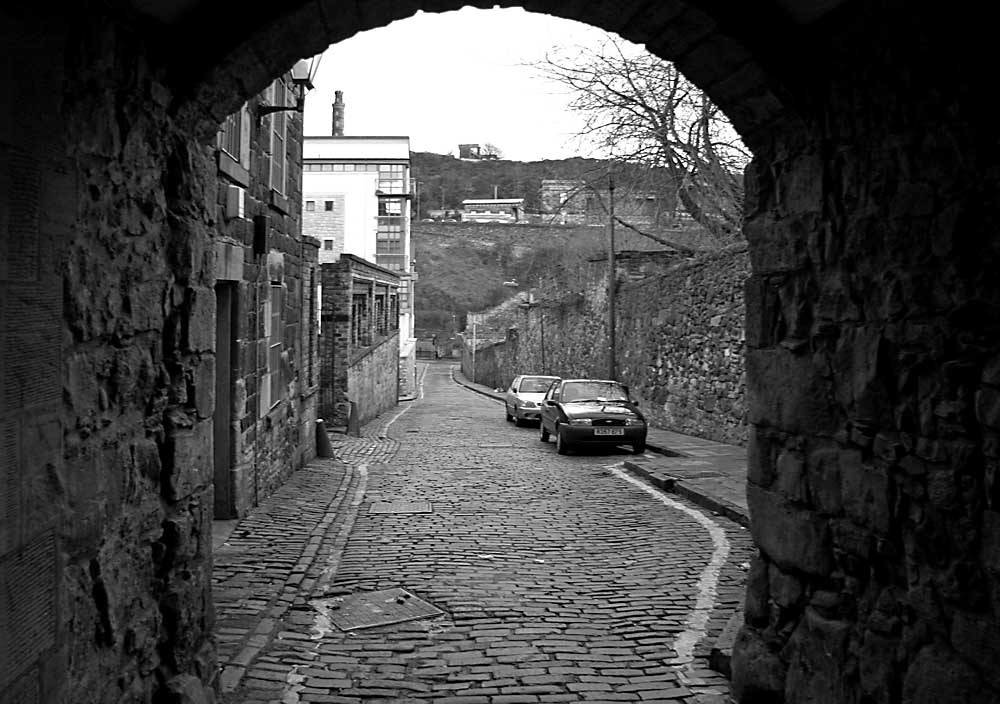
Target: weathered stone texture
pixel 873 398
pixel 360 364
pixel 679 338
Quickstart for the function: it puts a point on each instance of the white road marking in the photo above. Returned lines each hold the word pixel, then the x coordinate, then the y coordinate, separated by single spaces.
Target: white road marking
pixel 695 625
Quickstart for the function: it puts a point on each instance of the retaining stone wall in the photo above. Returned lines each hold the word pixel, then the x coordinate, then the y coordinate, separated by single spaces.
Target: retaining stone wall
pixel 679 338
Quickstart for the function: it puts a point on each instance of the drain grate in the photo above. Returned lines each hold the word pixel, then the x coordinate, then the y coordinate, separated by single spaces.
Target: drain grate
pixel 401 507
pixel 381 608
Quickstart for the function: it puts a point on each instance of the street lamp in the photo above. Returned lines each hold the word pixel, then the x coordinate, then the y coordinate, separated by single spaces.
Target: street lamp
pixel 303 73
pixel 527 306
pixel 415 184
pixel 611 277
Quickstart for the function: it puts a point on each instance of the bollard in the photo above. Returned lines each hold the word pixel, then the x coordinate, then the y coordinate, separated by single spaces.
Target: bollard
pixel 353 426
pixel 323 446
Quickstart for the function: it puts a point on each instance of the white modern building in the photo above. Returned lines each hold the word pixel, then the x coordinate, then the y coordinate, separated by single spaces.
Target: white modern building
pixel 356 200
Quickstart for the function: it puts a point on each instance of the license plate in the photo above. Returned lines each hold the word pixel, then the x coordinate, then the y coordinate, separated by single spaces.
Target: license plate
pixel 609 431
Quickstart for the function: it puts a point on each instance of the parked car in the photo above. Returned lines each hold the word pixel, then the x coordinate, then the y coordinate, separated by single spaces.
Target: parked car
pixel 580 412
pixel 525 395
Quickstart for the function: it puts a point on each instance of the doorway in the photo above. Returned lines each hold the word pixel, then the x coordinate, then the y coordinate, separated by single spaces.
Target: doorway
pixel 224 438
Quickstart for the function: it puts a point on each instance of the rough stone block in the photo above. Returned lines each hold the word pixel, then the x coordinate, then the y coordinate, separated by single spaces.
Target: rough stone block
pixel 757 592
pixel 199 323
pixel 785 391
pixel 757 672
pixel 938 676
pixel 991 541
pixel 823 472
pixel 791 476
pixel 761 454
pixel 816 654
pixel 877 666
pixel 785 589
pixel 976 637
pixel 202 395
pixel 796 539
pixel 865 491
pixel 191 461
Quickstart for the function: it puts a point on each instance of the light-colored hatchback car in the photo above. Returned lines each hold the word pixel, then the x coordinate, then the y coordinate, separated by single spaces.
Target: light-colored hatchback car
pixel 524 397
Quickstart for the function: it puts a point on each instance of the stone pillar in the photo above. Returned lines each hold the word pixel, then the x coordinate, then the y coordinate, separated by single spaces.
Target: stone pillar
pixel 873 324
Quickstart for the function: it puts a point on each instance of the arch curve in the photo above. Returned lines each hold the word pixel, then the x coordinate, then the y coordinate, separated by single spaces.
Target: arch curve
pixel 727 53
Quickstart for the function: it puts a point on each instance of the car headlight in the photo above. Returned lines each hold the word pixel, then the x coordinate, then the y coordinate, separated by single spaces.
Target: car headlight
pixel 529 404
pixel 634 421
pixel 580 421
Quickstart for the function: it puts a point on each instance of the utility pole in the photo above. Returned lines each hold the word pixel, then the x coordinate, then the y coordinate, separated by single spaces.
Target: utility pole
pixel 474 341
pixel 611 277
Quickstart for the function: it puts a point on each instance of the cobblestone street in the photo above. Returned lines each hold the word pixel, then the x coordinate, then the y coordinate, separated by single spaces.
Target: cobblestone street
pixel 501 572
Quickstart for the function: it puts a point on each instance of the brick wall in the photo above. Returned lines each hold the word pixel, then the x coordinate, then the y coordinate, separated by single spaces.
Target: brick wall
pixel 364 373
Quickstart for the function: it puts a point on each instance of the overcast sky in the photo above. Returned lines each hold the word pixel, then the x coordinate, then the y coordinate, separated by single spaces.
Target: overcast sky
pixel 454 78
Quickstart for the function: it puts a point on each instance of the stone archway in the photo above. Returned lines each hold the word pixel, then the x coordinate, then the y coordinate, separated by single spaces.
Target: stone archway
pixel 872 330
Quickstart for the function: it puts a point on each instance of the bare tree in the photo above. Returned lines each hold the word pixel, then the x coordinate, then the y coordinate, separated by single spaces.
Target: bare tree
pixel 641 110
pixel 490 151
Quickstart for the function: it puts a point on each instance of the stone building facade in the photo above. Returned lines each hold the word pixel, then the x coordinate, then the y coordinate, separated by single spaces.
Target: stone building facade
pixel 266 279
pixel 359 345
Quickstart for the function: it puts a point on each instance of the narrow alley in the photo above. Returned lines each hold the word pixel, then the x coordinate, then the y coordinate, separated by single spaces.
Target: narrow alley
pixel 447 556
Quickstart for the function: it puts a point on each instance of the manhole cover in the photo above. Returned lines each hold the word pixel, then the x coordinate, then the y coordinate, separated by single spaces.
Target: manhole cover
pixel 381 608
pixel 401 507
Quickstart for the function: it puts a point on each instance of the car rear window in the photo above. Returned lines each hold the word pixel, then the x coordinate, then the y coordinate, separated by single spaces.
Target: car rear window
pixel 535 386
pixel 592 391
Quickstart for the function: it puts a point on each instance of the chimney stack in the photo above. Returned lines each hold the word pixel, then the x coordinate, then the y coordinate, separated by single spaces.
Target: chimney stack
pixel 338 113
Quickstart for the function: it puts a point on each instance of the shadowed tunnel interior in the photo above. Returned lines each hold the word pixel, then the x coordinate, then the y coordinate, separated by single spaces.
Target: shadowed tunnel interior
pixel 871 333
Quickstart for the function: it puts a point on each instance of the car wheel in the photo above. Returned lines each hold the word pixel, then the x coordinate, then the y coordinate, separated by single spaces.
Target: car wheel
pixel 638 448
pixel 544 436
pixel 561 446
pixel 519 422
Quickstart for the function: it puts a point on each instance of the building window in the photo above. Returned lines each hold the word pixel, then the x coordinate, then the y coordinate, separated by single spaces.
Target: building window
pixel 310 206
pixel 273 331
pixel 392 178
pixel 328 206
pixel 234 137
pixel 360 335
pixel 278 96
pixel 381 322
pixel 327 244
pixel 312 330
pixel 390 207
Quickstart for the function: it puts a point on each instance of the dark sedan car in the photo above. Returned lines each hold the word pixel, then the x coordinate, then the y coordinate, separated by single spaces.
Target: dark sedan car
pixel 580 412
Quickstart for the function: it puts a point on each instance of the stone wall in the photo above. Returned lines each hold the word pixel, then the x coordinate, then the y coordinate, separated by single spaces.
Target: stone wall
pixel 679 326
pixel 872 338
pixel 271 425
pixel 108 301
pixel 358 364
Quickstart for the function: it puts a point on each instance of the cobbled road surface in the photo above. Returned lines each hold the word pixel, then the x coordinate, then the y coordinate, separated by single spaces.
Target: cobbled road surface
pixel 543 578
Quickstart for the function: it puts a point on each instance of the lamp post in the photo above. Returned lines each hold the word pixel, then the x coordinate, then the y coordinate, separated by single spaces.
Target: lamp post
pixel 303 73
pixel 611 277
pixel 527 306
pixel 474 341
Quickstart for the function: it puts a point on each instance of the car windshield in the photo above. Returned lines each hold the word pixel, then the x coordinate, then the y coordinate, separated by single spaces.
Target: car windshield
pixel 593 391
pixel 533 385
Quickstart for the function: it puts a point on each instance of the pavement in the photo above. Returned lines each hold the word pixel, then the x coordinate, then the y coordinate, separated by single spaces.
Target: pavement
pixel 312 543
pixel 710 474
